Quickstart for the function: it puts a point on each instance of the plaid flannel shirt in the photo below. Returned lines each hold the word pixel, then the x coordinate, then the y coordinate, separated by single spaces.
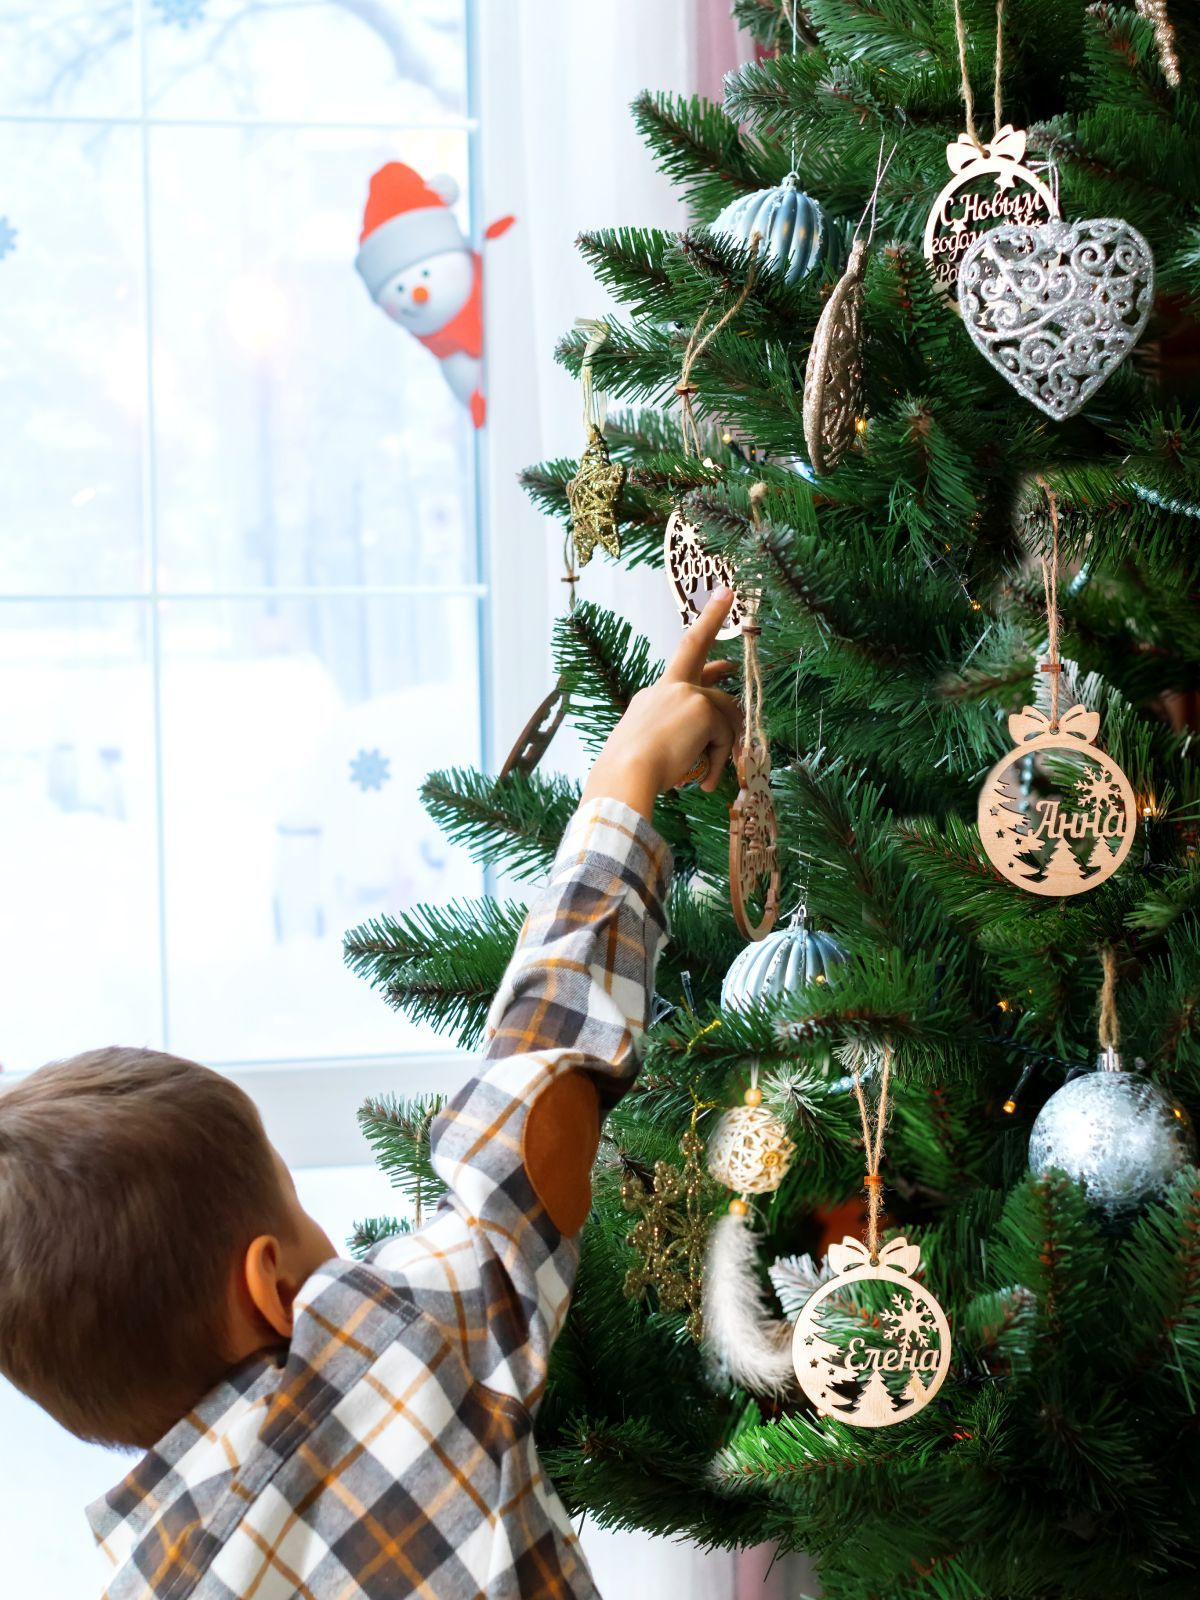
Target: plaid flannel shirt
pixel 392 1452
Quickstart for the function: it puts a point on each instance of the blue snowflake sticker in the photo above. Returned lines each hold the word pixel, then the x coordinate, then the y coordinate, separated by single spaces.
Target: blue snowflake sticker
pixel 370 769
pixel 183 13
pixel 8 238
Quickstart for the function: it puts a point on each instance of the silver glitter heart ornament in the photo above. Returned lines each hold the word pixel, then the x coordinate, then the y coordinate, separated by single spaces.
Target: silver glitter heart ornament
pixel 1057 307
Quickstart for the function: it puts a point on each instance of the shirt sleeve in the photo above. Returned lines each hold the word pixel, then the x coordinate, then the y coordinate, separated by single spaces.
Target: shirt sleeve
pixel 515 1146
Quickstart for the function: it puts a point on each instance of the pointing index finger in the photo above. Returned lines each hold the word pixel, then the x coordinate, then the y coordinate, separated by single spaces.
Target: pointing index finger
pixel 692 651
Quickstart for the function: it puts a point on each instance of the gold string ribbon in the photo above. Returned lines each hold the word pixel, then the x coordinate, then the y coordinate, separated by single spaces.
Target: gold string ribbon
pixel 960 32
pixel 696 346
pixel 1052 665
pixel 873 1145
pixel 1155 11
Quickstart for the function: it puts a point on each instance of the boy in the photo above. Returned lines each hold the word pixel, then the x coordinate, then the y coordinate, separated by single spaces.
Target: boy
pixel 317 1427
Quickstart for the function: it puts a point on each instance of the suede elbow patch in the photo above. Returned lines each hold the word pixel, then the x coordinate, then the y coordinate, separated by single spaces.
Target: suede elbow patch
pixel 562 1134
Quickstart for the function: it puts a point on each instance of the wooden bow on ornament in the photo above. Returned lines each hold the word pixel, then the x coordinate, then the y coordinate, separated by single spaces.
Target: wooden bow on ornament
pixel 1008 144
pixel 853 1254
pixel 1032 723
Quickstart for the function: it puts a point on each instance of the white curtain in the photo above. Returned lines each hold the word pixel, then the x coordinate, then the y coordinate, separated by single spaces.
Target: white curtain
pixel 561 153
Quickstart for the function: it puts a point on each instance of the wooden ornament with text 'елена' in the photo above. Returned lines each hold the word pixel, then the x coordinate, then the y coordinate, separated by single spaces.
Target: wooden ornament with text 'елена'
pixel 872 1346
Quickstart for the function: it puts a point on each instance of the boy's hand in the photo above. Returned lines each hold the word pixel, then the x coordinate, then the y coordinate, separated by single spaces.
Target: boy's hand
pixel 670 726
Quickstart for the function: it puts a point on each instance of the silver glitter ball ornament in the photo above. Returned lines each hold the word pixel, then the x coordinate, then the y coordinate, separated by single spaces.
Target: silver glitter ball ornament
pixel 1117 1134
pixel 794 232
pixel 771 968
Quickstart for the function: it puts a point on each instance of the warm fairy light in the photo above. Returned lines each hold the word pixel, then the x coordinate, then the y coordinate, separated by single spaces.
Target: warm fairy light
pixel 860 424
pixel 976 605
pixel 820 978
pixel 1178 1112
pixel 726 437
pixel 1005 1005
pixel 1010 1106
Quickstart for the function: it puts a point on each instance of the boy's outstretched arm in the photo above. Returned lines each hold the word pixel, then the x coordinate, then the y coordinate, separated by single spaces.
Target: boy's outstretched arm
pixel 516 1145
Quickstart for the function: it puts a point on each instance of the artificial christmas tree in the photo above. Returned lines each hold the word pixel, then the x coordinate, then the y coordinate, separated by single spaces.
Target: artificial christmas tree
pixel 904 619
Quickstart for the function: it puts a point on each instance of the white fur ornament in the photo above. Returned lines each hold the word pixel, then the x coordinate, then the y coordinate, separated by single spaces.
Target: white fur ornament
pixel 743 1342
pixel 750 1152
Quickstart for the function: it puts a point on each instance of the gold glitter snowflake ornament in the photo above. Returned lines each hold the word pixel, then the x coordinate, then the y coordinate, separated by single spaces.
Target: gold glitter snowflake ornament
pixel 671 1233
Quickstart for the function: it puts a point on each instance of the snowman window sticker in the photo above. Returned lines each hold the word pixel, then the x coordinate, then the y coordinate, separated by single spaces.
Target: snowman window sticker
pixel 421 271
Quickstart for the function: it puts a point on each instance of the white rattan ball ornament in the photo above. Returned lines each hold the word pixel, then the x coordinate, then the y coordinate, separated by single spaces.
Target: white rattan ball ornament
pixel 750 1151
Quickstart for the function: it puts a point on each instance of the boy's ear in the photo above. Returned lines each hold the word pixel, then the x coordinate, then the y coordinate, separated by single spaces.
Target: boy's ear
pixel 267 1285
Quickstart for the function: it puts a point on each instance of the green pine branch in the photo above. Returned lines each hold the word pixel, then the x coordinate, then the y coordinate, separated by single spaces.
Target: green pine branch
pixel 515 822
pixel 440 965
pixel 398 1133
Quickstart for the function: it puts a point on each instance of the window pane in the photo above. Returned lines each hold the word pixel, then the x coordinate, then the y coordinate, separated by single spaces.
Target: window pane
pixel 296 734
pixel 339 1198
pixel 390 61
pixel 49 1478
pixel 61 56
pixel 79 938
pixel 72 361
pixel 302 437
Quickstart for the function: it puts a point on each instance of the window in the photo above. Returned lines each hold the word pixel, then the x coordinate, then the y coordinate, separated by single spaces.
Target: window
pixel 241 579
pixel 241 590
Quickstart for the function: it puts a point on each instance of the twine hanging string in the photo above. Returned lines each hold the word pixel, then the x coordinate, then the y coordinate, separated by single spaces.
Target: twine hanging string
pixel 753 733
pixel 873 1145
pixel 960 33
pixel 1110 1023
pixel 570 577
pixel 881 167
pixel 1052 664
pixel 696 346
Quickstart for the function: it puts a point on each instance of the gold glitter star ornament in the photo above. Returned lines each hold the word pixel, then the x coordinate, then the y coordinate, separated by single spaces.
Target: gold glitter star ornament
pixel 593 494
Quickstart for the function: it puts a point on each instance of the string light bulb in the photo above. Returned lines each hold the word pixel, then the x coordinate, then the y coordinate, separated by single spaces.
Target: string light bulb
pixel 1010 1105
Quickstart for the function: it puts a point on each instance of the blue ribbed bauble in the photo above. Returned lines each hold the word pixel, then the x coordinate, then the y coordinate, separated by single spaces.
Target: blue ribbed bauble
pixel 794 230
pixel 773 967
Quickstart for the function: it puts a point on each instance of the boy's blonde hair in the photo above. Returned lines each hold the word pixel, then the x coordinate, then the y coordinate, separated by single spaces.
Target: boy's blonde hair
pixel 130 1184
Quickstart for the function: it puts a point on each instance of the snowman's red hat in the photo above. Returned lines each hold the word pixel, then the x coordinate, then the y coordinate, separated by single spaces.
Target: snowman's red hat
pixel 406 220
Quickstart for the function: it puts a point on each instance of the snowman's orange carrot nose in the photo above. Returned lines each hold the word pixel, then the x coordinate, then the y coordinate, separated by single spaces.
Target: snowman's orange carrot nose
pixel 420 294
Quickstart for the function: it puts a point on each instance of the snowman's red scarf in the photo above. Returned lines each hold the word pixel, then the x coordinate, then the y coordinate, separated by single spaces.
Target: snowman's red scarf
pixel 463 334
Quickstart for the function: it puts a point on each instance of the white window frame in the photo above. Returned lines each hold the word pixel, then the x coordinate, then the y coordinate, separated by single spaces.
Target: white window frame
pixel 309 1106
